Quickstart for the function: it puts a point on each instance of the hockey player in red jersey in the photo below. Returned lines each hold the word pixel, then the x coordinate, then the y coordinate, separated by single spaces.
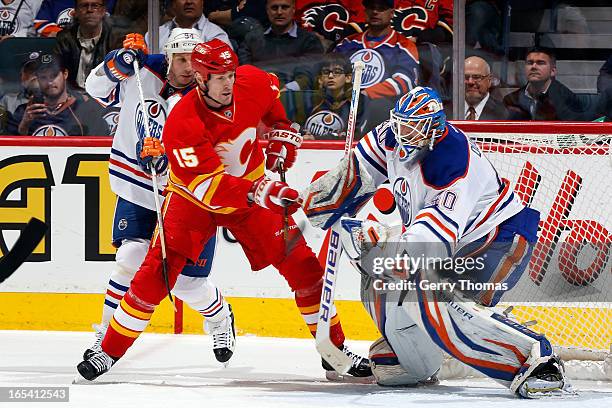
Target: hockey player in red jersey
pixel 217 178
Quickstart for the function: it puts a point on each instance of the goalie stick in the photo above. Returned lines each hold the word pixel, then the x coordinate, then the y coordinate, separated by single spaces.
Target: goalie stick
pixel 160 220
pixel 330 353
pixel 29 238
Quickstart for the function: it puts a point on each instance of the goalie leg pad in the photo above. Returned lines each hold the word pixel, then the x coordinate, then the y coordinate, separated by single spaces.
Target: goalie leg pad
pixel 340 191
pixel 479 337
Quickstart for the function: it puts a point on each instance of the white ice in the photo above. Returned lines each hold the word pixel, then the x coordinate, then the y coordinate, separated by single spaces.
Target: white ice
pixel 177 371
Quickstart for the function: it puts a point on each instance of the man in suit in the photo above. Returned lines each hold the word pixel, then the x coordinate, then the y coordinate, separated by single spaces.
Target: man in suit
pixel 479 103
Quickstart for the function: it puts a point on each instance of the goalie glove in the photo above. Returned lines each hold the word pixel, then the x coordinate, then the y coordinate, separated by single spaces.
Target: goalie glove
pixel 282 147
pixel 150 152
pixel 274 195
pixel 358 237
pixel 340 191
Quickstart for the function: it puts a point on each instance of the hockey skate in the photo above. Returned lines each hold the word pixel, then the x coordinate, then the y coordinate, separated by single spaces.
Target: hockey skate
pixel 360 370
pixel 96 347
pixel 224 337
pixel 96 365
pixel 542 375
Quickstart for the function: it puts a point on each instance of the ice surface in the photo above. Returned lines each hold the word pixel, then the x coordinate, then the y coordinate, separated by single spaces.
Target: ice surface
pixel 176 371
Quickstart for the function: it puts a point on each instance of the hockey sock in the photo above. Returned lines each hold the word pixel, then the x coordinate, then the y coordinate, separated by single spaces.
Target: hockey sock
pixel 203 296
pixel 118 284
pixel 130 319
pixel 307 300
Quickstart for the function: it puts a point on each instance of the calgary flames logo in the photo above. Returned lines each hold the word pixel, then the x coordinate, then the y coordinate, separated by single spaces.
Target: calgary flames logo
pixel 235 154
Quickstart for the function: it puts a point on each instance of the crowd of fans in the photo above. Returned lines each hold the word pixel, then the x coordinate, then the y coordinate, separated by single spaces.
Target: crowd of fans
pixel 309 44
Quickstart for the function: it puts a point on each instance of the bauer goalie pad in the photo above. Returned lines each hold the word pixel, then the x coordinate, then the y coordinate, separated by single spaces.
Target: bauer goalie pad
pixel 341 191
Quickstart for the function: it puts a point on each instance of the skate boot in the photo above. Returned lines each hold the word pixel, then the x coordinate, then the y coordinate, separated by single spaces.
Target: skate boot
pixel 542 375
pixel 360 368
pixel 224 337
pixel 96 365
pixel 96 347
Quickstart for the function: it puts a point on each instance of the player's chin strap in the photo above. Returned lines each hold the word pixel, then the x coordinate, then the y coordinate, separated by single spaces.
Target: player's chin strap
pixel 206 94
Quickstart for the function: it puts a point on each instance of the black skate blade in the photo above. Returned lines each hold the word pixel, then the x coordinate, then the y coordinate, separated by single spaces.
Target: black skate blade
pixel 334 376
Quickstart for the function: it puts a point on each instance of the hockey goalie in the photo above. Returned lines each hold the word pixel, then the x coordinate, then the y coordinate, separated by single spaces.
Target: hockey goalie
pixel 453 206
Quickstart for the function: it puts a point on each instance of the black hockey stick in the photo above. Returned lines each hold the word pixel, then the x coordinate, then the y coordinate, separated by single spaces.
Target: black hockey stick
pixel 16 14
pixel 29 238
pixel 281 172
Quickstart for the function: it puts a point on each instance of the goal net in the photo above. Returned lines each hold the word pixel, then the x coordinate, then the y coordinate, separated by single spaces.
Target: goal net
pixel 565 172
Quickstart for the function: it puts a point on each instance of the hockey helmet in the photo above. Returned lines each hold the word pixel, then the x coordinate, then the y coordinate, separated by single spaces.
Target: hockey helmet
pixel 181 40
pixel 213 57
pixel 417 119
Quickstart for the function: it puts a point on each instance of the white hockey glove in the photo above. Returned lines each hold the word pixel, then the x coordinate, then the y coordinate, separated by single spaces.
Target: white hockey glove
pixel 340 191
pixel 360 236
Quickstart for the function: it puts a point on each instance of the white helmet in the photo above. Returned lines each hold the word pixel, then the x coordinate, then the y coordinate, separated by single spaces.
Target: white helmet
pixel 181 40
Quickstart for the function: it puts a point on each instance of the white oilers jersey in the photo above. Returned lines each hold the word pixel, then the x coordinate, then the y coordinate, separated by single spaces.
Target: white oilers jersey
pixel 17 18
pixel 451 194
pixel 126 177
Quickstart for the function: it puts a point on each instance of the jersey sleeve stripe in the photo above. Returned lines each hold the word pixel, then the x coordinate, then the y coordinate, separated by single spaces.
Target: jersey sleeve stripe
pixel 493 207
pixel 373 164
pixel 368 141
pixel 124 166
pixel 124 156
pixel 430 218
pixel 444 216
pixel 131 180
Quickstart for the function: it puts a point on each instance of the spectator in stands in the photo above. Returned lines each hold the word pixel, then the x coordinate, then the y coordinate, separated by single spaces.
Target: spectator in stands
pixel 84 44
pixel 225 12
pixel 56 112
pixel 283 39
pixel 604 91
pixel 328 119
pixel 55 15
pixel 29 85
pixel 424 20
pixel 3 120
pixel 391 60
pixel 331 20
pixel 17 18
pixel 543 97
pixel 289 51
pixel 479 103
pixel 189 14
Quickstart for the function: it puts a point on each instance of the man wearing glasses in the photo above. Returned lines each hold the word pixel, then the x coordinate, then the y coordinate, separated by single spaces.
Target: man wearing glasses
pixel 84 45
pixel 480 104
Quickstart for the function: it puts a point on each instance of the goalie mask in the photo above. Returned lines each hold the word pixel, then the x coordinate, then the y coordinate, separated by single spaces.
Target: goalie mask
pixel 417 120
pixel 181 40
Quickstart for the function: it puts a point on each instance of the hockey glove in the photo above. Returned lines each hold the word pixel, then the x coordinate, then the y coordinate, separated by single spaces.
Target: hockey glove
pixel 119 64
pixel 274 195
pixel 282 147
pixel 136 42
pixel 150 153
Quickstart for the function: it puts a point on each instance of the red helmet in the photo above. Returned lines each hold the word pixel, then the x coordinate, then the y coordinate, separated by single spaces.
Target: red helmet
pixel 213 57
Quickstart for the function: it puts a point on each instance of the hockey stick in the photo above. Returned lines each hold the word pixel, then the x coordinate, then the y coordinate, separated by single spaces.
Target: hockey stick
pixel 16 14
pixel 330 353
pixel 160 220
pixel 281 172
pixel 29 238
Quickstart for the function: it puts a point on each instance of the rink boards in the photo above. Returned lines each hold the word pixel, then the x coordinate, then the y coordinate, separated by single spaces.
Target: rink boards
pixel 62 287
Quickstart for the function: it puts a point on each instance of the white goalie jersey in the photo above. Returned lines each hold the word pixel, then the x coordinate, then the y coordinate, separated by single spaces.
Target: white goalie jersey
pixel 127 179
pixel 451 194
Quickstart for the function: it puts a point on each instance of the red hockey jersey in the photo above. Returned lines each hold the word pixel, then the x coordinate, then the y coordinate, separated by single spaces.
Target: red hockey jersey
pixel 214 154
pixel 412 16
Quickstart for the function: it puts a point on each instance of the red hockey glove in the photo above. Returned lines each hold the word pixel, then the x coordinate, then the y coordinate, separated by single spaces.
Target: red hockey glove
pixel 282 147
pixel 274 195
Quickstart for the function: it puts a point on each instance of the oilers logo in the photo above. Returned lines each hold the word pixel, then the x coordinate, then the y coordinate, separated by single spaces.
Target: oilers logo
pixel 410 21
pixel 374 70
pixel 50 130
pixel 112 121
pixel 325 124
pixel 65 17
pixel 401 192
pixel 8 23
pixel 157 117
